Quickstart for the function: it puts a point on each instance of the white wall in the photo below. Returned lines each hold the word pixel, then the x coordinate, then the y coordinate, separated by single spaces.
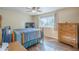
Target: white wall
pixel 36 21
pixel 14 19
pixel 70 15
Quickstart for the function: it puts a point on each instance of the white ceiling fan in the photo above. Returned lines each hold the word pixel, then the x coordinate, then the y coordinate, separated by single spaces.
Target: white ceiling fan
pixel 33 9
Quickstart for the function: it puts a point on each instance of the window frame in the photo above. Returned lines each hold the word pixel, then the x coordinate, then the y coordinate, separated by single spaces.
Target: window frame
pixel 52 26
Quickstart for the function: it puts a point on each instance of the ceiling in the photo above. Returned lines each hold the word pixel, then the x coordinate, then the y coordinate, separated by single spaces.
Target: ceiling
pixel 25 9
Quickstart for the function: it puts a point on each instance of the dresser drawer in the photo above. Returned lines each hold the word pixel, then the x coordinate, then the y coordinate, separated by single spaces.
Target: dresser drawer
pixel 68 40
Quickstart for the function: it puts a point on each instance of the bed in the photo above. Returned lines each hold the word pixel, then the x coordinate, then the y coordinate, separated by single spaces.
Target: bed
pixel 31 36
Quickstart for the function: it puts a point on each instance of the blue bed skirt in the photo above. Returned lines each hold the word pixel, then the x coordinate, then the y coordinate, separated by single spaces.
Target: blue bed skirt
pixel 31 36
pixel 31 42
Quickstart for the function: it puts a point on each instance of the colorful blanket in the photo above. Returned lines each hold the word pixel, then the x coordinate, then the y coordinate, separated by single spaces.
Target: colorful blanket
pixel 29 34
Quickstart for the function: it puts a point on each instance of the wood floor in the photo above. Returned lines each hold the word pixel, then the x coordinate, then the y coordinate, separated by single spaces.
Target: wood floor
pixel 50 44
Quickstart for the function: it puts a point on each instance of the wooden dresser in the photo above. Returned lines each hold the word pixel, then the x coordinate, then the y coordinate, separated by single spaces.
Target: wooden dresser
pixel 69 33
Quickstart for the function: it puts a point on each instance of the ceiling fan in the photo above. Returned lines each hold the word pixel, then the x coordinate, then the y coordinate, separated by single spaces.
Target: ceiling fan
pixel 33 9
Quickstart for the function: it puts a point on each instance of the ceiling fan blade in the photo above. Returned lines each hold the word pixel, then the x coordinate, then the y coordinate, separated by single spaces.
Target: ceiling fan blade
pixel 28 8
pixel 37 9
pixel 29 11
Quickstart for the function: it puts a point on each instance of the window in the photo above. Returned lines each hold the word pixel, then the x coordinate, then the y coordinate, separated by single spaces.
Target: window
pixel 47 21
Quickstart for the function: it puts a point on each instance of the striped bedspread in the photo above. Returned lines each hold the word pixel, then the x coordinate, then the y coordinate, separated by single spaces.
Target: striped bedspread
pixel 29 34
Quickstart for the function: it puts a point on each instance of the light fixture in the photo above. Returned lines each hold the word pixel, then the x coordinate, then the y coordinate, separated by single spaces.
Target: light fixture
pixel 34 11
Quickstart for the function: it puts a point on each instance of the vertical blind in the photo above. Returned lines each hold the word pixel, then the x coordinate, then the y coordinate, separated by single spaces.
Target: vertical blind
pixel 47 21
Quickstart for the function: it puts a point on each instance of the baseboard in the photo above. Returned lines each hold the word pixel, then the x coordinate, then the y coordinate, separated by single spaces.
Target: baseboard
pixel 50 37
